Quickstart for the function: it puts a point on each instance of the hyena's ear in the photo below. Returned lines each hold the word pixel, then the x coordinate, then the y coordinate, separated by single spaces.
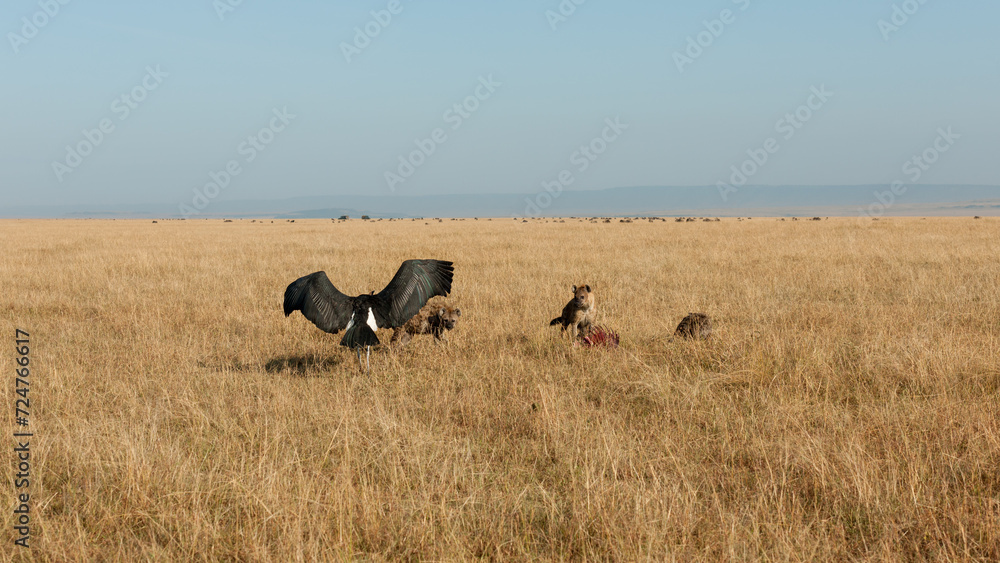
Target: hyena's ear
pixel 588 288
pixel 458 312
pixel 442 312
pixel 574 289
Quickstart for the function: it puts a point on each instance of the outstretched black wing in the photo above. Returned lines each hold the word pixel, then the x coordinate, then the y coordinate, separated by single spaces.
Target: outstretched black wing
pixel 415 282
pixel 319 301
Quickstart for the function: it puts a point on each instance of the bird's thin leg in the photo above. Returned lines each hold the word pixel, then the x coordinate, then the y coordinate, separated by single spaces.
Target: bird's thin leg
pixel 368 355
pixel 359 358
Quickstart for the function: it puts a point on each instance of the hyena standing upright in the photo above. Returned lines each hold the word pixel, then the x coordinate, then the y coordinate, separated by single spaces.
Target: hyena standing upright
pixel 578 314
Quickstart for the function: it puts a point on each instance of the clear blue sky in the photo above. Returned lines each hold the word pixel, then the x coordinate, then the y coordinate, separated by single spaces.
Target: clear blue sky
pixel 353 120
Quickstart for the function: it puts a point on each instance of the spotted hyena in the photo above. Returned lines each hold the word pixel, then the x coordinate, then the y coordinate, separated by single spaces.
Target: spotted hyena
pixel 435 318
pixel 578 314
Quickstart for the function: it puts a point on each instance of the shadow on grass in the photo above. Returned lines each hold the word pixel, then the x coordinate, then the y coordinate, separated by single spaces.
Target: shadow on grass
pixel 304 365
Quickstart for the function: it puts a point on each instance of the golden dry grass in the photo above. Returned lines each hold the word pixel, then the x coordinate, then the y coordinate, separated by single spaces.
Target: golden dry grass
pixel 847 408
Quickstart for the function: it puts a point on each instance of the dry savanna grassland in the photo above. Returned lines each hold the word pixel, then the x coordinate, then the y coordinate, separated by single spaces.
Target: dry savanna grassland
pixel 847 406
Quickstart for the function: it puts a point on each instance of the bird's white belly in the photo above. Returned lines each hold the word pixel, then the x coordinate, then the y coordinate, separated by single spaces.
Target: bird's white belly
pixel 370 321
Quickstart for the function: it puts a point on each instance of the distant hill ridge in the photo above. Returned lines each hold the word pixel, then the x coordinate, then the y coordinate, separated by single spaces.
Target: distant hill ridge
pixel 644 200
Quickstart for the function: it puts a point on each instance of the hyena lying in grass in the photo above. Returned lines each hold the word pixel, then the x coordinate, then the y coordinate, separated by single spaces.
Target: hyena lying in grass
pixel 696 326
pixel 435 318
